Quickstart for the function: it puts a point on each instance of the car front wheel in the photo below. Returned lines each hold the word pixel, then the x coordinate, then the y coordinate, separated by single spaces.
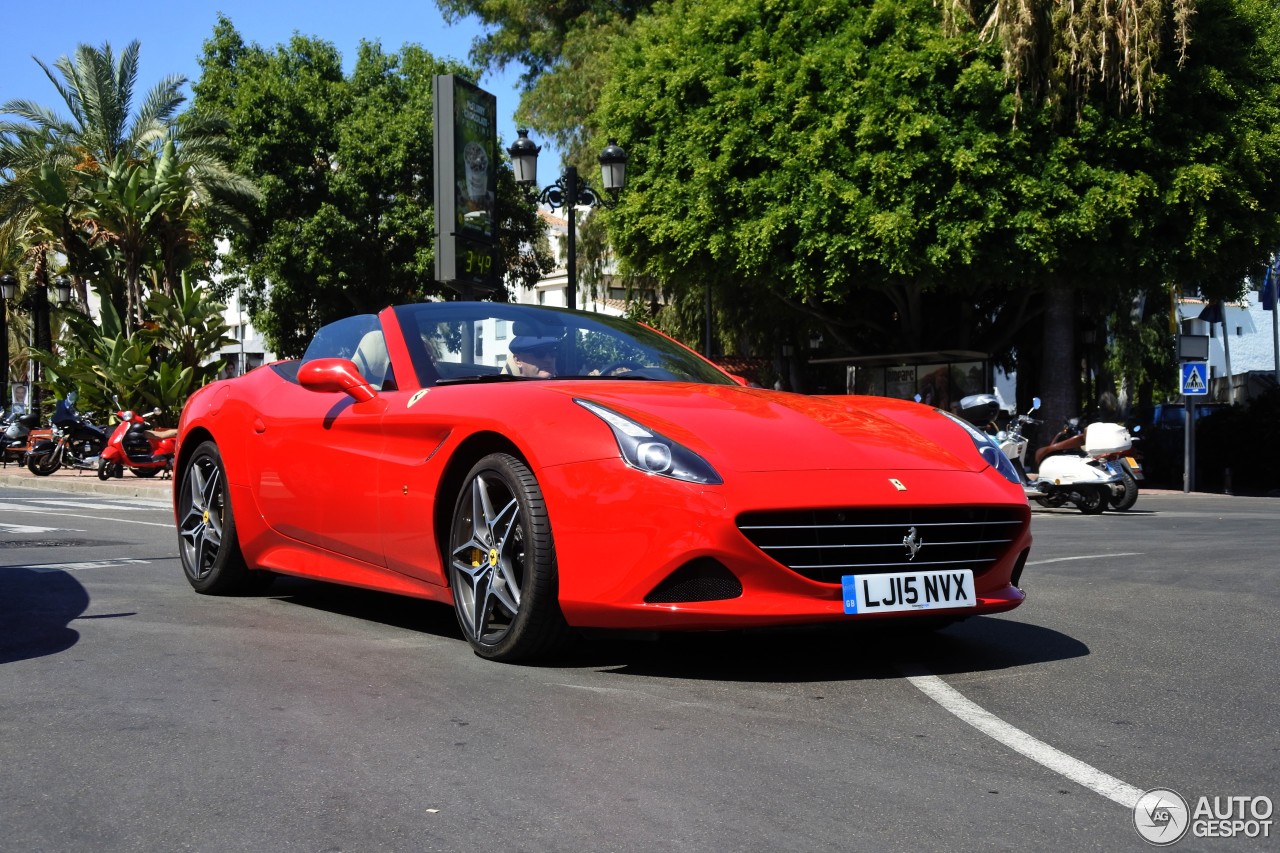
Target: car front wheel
pixel 207 541
pixel 502 563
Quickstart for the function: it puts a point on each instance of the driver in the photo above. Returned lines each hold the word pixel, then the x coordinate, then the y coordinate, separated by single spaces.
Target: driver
pixel 534 356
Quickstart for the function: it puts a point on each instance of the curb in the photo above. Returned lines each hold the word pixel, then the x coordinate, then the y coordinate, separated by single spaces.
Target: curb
pixel 87 482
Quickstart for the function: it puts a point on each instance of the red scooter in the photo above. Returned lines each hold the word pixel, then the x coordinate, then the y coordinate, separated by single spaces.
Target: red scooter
pixel 145 452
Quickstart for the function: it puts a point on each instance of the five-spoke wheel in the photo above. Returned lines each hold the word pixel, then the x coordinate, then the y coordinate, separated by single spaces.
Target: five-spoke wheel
pixel 502 563
pixel 208 545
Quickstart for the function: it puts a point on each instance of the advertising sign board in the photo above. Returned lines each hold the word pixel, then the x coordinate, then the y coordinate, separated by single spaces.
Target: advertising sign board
pixel 466 184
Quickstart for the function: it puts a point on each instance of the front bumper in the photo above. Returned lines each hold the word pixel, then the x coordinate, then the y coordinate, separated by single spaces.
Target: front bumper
pixel 621 534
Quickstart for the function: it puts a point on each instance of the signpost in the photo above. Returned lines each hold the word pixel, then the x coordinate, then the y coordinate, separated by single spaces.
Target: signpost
pixel 1193 352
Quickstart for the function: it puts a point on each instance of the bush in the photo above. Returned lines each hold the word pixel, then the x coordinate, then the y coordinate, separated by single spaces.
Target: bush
pixel 1242 442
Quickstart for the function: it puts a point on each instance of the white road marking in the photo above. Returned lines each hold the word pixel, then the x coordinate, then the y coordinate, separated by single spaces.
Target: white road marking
pixel 42 510
pixel 1083 557
pixel 23 528
pixel 131 504
pixel 1019 741
pixel 91 564
pixel 98 518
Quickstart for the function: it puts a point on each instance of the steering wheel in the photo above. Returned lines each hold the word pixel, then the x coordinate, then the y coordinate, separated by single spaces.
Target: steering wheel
pixel 623 364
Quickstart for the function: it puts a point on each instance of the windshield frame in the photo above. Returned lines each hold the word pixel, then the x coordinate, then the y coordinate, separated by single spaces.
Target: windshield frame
pixel 443 351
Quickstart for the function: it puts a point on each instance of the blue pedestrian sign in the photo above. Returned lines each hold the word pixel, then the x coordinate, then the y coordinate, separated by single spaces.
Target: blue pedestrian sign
pixel 1195 379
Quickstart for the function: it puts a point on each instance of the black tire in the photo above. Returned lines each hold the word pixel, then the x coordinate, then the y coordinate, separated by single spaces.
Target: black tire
pixel 104 469
pixel 1093 499
pixel 1052 501
pixel 145 473
pixel 502 563
pixel 207 541
pixel 1128 494
pixel 44 464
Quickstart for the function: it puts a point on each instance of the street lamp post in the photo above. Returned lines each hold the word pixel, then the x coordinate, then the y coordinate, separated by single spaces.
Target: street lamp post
pixel 570 191
pixel 42 324
pixel 8 289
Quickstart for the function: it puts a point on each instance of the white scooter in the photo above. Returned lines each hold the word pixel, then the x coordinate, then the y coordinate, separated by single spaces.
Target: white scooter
pixel 1061 478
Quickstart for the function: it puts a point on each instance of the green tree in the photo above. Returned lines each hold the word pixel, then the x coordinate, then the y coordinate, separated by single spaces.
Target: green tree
pixel 564 49
pixel 819 157
pixel 159 366
pixel 852 162
pixel 1163 113
pixel 345 224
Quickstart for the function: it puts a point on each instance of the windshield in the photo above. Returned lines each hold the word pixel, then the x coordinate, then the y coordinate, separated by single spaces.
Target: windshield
pixel 454 342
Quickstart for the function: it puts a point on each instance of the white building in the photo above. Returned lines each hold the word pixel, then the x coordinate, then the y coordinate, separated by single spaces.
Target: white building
pixel 249 350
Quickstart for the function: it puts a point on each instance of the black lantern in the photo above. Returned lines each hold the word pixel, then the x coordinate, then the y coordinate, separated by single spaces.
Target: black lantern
pixel 613 168
pixel 524 158
pixel 62 289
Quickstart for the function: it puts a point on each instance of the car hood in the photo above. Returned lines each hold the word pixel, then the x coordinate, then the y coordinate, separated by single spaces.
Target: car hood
pixel 752 429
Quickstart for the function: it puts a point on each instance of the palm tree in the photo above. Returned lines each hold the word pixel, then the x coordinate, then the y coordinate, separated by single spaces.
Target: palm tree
pixel 1063 51
pixel 97 90
pixel 141 180
pixel 201 153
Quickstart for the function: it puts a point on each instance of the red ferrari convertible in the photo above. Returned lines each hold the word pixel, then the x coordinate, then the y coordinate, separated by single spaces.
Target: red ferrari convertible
pixel 544 469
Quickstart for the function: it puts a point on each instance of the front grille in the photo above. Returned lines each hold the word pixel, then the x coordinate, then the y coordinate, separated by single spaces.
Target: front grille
pixel 824 545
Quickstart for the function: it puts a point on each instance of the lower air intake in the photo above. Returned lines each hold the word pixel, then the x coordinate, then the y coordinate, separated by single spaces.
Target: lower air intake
pixel 703 579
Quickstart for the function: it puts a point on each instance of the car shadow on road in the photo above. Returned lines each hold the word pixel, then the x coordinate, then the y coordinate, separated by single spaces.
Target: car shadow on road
pixel 36 609
pixel 810 653
pixel 832 653
pixel 398 611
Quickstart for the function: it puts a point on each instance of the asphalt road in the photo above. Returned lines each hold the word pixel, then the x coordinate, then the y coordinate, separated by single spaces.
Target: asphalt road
pixel 137 715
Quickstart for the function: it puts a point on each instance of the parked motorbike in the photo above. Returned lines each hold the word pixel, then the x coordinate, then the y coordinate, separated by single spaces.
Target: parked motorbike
pixel 144 451
pixel 1059 479
pixel 74 442
pixel 16 429
pixel 1110 444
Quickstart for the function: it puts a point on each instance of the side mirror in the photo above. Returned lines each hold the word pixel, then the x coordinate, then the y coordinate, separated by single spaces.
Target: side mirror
pixel 331 375
pixel 1035 403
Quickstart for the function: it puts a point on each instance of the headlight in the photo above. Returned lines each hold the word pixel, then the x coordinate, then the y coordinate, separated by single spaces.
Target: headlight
pixel 646 450
pixel 989 449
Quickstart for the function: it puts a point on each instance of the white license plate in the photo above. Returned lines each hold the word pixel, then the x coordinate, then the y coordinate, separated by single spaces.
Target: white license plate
pixel 890 593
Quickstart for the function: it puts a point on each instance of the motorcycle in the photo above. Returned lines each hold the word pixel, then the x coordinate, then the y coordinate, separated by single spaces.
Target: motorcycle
pixel 1060 478
pixel 145 452
pixel 73 441
pixel 1110 445
pixel 17 435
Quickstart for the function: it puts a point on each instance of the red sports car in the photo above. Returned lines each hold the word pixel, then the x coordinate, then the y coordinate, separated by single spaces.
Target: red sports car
pixel 545 469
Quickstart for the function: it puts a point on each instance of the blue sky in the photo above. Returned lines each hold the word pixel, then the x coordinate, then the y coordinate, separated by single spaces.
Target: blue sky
pixel 172 37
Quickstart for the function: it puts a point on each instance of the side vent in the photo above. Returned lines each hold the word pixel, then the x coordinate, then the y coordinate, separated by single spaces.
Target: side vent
pixel 703 579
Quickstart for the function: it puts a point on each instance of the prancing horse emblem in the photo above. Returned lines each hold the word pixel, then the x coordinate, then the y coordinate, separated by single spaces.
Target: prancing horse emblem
pixel 913 542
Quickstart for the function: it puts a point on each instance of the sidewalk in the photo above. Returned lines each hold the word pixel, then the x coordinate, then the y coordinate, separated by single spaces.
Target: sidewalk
pixel 75 480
